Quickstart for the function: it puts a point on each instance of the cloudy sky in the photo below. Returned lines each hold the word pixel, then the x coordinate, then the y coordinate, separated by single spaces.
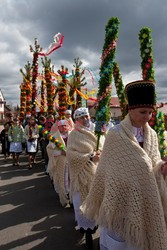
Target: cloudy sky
pixel 82 22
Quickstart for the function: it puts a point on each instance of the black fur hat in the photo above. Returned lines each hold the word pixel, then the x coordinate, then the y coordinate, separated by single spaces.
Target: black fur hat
pixel 140 94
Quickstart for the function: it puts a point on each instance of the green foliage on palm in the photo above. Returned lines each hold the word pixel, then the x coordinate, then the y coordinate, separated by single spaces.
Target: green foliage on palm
pixel 147 65
pixel 106 72
pixel 120 89
pixel 146 53
pixel 77 81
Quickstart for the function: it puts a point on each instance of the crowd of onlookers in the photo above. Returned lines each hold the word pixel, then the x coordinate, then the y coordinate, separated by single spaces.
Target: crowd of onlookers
pixel 17 137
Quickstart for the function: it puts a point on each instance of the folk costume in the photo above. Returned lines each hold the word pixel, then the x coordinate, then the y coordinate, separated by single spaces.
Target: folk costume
pixel 80 148
pixel 16 138
pixel 70 122
pixel 58 166
pixel 31 135
pixel 128 196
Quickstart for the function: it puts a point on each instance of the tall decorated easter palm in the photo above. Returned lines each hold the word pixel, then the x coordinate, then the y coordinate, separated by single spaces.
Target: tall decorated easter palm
pixel 62 92
pixel 120 89
pixel 76 83
pixel 22 101
pixel 28 87
pixel 43 101
pixel 106 72
pixel 147 65
pixel 49 85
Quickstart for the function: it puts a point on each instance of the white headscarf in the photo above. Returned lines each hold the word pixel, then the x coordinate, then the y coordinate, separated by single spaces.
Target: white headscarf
pixel 68 112
pixel 62 122
pixel 80 112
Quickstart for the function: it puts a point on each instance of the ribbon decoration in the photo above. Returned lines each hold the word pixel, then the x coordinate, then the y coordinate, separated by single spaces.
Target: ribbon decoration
pixel 58 77
pixel 42 78
pixel 93 99
pixel 93 81
pixel 58 42
pixel 85 96
pixel 26 80
pixel 92 92
pixel 69 102
pixel 40 106
pixel 108 50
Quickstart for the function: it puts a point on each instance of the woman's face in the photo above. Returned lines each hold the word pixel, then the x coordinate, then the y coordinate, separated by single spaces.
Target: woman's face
pixel 63 129
pixel 140 116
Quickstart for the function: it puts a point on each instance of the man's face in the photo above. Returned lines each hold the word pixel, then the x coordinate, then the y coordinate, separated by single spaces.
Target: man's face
pixel 84 120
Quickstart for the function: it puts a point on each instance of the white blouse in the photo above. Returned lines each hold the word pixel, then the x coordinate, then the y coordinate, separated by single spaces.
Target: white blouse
pixel 139 134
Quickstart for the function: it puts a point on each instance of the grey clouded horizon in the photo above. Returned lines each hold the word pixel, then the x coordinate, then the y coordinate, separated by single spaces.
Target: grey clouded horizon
pixel 82 22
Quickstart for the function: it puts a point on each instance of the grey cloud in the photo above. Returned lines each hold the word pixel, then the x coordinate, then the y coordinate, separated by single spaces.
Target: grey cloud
pixel 83 23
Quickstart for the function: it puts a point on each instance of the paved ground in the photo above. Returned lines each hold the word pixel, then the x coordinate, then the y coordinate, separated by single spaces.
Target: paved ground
pixel 31 216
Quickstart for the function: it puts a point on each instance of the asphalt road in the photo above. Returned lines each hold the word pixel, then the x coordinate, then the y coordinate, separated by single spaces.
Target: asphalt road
pixel 31 216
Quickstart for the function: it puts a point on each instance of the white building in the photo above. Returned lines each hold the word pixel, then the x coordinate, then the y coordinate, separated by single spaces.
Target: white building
pixel 2 104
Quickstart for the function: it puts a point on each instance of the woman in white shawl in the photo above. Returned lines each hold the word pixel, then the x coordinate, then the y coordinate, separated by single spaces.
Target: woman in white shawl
pixel 57 165
pixel 128 197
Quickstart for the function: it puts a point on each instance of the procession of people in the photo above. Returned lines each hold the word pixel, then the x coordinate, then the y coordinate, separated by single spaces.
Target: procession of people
pixel 119 189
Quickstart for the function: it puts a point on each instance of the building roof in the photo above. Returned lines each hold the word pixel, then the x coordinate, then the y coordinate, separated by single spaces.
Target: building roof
pixel 8 108
pixel 2 94
pixel 114 102
pixel 163 109
pixel 91 101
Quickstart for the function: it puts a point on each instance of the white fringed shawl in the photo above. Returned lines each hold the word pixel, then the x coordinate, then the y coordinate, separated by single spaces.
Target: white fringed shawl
pixel 56 167
pixel 81 144
pixel 128 194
